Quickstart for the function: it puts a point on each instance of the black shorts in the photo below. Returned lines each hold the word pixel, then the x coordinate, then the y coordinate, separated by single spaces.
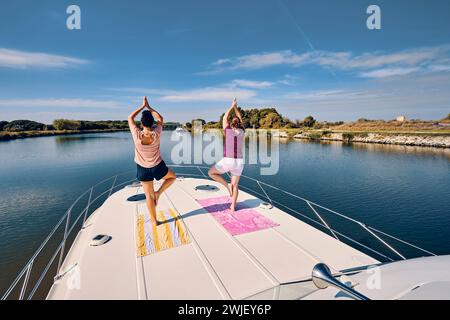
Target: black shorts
pixel 149 174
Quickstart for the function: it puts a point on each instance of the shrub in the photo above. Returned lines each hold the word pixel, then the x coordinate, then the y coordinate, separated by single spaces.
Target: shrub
pixel 363 135
pixel 291 125
pixel 271 120
pixel 24 125
pixel 309 121
pixel 3 124
pixel 213 125
pixel 347 136
pixel 315 135
pixel 64 124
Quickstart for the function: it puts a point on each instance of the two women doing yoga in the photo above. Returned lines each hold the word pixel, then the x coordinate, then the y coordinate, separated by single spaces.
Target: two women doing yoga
pixel 151 166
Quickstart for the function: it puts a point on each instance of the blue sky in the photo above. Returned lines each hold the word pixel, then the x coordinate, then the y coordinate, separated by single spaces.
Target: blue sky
pixel 192 57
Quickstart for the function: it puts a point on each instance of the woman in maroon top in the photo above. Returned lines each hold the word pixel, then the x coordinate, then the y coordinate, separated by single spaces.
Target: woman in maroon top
pixel 232 161
pixel 147 155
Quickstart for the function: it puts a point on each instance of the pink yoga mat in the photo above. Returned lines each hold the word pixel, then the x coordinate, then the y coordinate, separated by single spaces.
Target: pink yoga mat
pixel 243 220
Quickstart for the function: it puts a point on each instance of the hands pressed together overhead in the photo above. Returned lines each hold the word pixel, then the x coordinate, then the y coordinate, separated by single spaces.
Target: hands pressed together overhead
pixel 234 103
pixel 145 103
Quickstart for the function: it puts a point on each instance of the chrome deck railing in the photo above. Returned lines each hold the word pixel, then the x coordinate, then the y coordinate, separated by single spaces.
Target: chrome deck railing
pixel 70 220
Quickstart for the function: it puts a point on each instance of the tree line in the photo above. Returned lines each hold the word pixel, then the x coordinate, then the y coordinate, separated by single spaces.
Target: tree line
pixel 62 124
pixel 270 118
pixel 71 125
pixel 266 118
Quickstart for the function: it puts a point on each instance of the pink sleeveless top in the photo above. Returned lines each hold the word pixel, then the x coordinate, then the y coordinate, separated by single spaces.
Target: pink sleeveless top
pixel 146 155
pixel 233 143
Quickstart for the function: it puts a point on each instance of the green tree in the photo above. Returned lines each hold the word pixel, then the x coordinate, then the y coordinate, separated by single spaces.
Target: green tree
pixel 288 124
pixel 3 124
pixel 24 125
pixel 213 125
pixel 65 124
pixel 271 120
pixel 309 121
pixel 253 118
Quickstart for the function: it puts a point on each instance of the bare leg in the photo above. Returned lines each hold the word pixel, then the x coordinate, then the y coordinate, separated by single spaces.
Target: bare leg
pixel 150 199
pixel 217 176
pixel 235 188
pixel 169 179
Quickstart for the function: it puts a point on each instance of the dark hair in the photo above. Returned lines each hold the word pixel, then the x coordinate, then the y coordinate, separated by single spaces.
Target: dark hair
pixel 147 119
pixel 236 123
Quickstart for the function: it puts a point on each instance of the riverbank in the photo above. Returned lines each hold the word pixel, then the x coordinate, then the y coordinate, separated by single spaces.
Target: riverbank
pixel 5 136
pixel 421 139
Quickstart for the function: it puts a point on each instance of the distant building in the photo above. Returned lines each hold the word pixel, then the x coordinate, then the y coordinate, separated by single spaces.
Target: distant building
pixel 401 119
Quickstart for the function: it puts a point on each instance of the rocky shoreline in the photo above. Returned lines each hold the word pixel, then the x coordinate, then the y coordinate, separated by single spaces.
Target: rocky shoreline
pixel 435 141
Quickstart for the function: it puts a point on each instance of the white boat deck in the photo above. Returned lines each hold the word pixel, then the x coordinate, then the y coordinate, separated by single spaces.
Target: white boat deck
pixel 215 265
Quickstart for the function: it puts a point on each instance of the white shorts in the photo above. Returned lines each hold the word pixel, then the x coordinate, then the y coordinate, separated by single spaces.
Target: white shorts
pixel 231 165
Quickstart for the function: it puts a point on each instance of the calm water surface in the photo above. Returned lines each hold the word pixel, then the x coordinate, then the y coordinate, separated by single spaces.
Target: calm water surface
pixel 401 190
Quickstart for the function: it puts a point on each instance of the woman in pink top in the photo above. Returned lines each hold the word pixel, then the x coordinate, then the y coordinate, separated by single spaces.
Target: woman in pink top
pixel 147 155
pixel 232 161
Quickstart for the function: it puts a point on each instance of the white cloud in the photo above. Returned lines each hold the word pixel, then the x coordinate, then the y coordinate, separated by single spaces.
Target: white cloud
pixel 334 95
pixel 256 61
pixel 348 61
pixel 425 96
pixel 440 68
pixel 22 60
pixel 388 72
pixel 209 94
pixel 252 84
pixel 243 89
pixel 59 103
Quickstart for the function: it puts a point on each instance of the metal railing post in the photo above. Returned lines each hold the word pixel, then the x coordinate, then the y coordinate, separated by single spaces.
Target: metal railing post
pixel 323 221
pixel 267 196
pixel 112 187
pixel 382 241
pixel 25 282
pixel 203 174
pixel 87 207
pixel 64 242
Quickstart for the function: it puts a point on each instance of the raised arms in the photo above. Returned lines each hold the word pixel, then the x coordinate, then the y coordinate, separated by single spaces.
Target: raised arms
pixel 155 114
pixel 227 114
pixel 238 113
pixel 131 122
pixel 144 104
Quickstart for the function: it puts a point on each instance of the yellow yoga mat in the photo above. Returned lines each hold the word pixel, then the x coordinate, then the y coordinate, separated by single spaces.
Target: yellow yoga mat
pixel 171 233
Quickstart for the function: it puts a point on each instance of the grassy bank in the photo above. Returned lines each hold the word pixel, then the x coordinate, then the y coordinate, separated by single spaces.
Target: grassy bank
pixel 5 136
pixel 438 139
pixel 320 132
